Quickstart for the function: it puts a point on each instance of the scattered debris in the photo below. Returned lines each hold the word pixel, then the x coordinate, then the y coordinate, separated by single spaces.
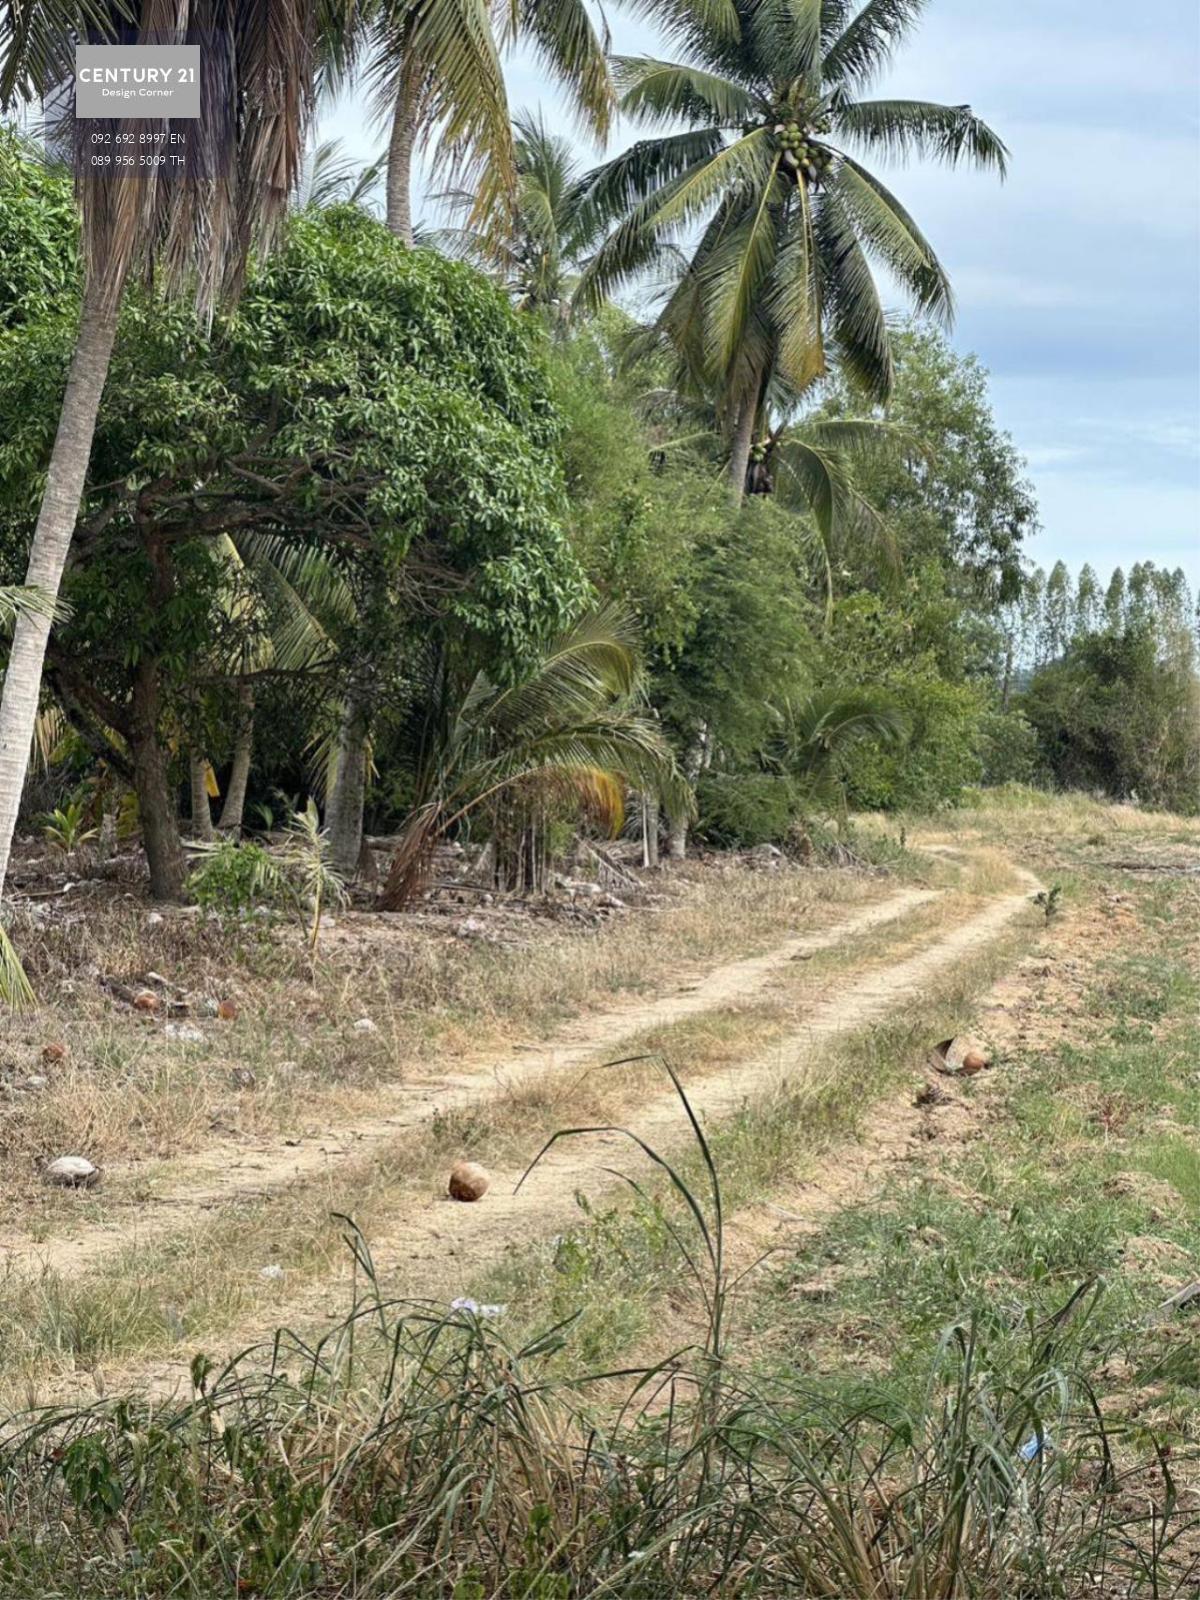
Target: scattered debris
pixel 183 1033
pixel 34 1082
pixel 272 1273
pixel 468 1181
pixel 1034 1445
pixel 365 1025
pixel 930 1094
pixel 960 1057
pixel 71 1172
pixel 1187 1296
pixel 243 1078
pixel 490 1312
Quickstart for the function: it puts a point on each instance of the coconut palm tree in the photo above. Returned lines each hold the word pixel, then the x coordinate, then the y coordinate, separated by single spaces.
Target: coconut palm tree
pixel 541 250
pixel 815 732
pixel 194 235
pixel 435 66
pixel 571 728
pixel 807 462
pixel 769 167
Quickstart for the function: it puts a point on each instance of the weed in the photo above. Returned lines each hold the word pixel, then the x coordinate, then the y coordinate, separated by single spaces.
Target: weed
pixel 65 828
pixel 1050 901
pixel 415 1453
pixel 234 877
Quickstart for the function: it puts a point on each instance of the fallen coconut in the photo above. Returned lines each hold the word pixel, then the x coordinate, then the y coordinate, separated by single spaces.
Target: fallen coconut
pixel 960 1057
pixel 71 1172
pixel 468 1181
pixel 145 1000
pixel 52 1053
pixel 228 1010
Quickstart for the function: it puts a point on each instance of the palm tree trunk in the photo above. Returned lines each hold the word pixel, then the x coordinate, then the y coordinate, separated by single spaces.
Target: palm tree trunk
pixel 677 835
pixel 202 827
pixel 344 814
pixel 51 543
pixel 649 830
pixel 399 162
pixel 239 777
pixel 743 442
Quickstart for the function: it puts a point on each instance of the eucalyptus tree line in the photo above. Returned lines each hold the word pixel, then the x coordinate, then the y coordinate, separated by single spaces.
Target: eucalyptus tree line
pixel 769 167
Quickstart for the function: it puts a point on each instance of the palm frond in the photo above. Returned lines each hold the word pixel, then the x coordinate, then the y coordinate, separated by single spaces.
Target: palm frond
pixel 784 39
pixel 28 600
pixel 568 45
pixel 905 128
pixel 854 312
pixel 667 91
pixel 888 231
pixel 869 41
pixel 568 725
pixel 828 720
pixel 795 302
pixel 736 274
pixel 16 991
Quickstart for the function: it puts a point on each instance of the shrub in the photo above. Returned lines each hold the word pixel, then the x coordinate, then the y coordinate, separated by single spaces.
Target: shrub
pixel 233 878
pixel 1120 712
pixel 939 757
pixel 1008 747
pixel 740 810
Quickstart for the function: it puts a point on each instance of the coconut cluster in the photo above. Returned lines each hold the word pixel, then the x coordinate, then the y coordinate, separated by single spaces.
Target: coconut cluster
pixel 759 450
pixel 801 152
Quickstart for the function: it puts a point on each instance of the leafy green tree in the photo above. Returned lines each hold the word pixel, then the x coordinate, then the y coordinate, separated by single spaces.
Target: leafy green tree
pixel 194 236
pixel 912 647
pixel 1087 601
pixel 767 167
pixel 40 230
pixel 1057 608
pixel 1120 713
pixel 364 399
pixel 955 492
pixel 1114 600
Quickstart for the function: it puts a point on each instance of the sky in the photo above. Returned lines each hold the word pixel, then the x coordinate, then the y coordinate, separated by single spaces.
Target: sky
pixel 1077 280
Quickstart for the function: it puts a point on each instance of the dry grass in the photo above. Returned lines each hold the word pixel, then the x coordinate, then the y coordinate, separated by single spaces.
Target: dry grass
pixel 131 1303
pixel 128 1091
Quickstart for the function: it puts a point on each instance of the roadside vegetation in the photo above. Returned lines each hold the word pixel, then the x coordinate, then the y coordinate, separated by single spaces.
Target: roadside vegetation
pixel 964 1363
pixel 446 716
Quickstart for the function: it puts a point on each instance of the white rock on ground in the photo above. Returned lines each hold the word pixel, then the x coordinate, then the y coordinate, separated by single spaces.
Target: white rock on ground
pixel 71 1172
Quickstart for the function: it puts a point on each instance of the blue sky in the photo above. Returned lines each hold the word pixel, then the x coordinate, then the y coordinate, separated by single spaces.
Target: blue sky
pixel 1078 280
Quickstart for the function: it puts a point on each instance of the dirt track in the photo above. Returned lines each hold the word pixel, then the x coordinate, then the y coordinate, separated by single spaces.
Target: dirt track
pixel 438 1249
pixel 227 1172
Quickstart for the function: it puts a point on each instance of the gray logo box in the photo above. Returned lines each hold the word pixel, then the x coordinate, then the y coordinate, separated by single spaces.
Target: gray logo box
pixel 137 80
